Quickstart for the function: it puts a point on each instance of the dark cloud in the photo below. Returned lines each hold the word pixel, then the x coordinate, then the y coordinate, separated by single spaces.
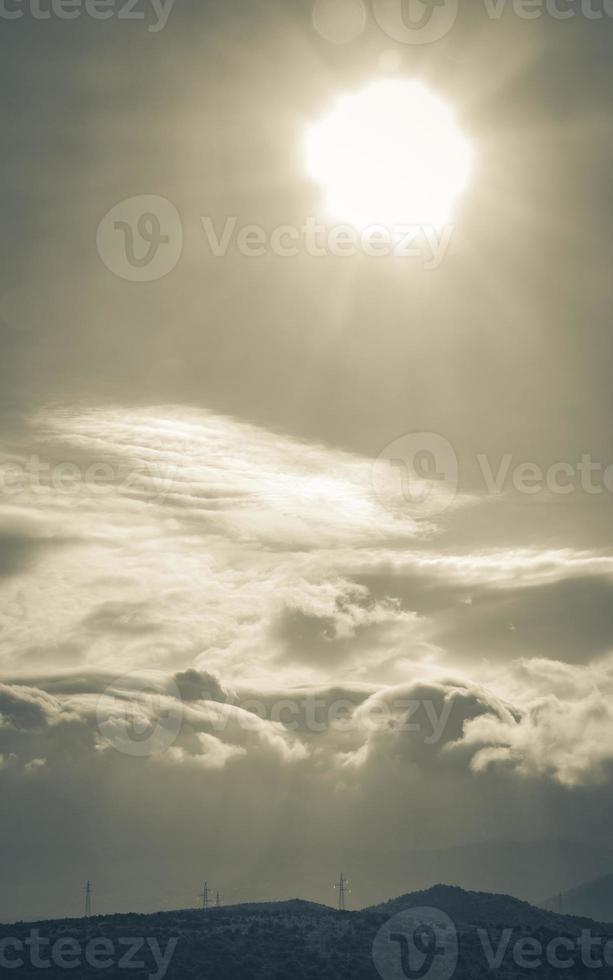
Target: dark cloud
pixel 570 620
pixel 197 685
pixel 19 552
pixel 356 626
pixel 26 709
pixel 420 784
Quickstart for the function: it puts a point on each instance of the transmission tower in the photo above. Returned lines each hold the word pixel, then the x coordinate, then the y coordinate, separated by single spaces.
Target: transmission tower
pixel 343 891
pixel 217 901
pixel 88 899
pixel 205 896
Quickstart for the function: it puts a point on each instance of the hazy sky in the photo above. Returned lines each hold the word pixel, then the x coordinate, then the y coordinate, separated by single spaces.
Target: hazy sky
pixel 190 502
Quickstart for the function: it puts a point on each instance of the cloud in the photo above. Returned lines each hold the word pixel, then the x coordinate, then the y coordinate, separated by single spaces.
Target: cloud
pixel 185 532
pixel 27 709
pixel 213 754
pixel 564 732
pixel 223 676
pixel 504 605
pixel 198 685
pixel 427 761
pixel 437 724
pixel 195 541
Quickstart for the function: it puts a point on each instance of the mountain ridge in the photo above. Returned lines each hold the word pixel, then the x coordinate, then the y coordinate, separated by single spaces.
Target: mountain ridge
pixel 463 905
pixel 300 940
pixel 593 898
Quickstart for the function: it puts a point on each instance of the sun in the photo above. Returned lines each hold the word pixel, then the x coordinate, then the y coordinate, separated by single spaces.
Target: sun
pixel 390 154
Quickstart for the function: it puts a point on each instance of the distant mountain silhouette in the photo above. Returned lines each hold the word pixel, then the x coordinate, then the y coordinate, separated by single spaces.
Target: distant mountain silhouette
pixel 298 940
pixel 483 908
pixel 528 870
pixel 594 899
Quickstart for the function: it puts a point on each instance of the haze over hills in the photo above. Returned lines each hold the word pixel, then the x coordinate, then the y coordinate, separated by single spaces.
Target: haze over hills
pixel 484 908
pixel 593 899
pixel 471 935
pixel 527 870
pixel 524 869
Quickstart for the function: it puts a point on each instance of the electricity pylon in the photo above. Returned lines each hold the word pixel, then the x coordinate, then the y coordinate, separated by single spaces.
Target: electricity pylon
pixel 88 899
pixel 205 897
pixel 343 891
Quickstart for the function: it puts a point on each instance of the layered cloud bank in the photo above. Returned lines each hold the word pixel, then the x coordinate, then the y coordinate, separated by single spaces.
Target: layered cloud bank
pixel 215 639
pixel 146 781
pixel 563 735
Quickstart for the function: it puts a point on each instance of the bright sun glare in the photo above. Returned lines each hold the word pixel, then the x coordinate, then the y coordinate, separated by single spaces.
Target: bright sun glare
pixel 390 154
